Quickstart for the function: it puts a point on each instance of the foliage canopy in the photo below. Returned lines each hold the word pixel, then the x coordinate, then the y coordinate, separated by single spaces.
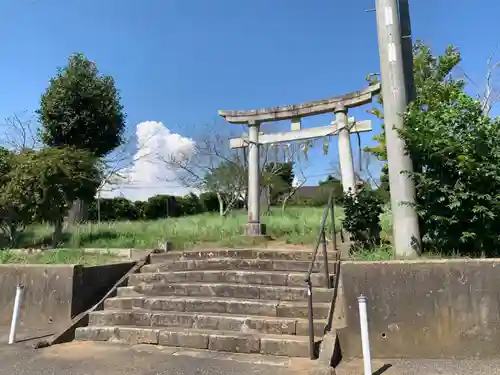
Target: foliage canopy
pixel 81 108
pixel 456 154
pixel 40 185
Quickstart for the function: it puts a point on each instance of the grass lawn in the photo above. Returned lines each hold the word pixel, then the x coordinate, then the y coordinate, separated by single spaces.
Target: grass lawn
pixel 297 226
pixel 61 256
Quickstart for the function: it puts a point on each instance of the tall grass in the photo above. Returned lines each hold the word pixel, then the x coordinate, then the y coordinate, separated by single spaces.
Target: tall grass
pixel 62 256
pixel 294 226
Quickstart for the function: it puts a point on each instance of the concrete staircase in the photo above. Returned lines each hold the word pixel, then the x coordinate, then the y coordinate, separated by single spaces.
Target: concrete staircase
pixel 242 301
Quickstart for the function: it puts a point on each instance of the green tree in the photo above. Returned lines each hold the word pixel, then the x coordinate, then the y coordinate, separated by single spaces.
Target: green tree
pixel 81 108
pixel 189 204
pixel 456 148
pixel 327 185
pixel 429 73
pixel 11 222
pixel 209 201
pixel 228 181
pixel 362 217
pixel 109 209
pixel 456 156
pixel 279 178
pixel 141 207
pixel 161 206
pixel 41 184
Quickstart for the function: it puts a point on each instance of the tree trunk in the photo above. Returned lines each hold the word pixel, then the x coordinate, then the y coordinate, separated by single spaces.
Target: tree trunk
pixel 221 204
pixel 57 235
pixel 285 201
pixel 245 202
pixel 77 214
pixel 265 199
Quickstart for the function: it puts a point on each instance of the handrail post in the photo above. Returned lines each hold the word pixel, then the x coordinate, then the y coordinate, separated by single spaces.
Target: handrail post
pixel 325 260
pixel 321 239
pixel 312 349
pixel 334 229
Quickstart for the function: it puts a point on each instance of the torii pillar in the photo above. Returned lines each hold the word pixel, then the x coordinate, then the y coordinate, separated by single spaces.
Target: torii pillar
pixel 345 151
pixel 254 226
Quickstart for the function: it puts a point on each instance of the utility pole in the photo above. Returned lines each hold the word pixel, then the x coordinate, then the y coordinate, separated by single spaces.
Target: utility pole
pixel 407 48
pixel 406 233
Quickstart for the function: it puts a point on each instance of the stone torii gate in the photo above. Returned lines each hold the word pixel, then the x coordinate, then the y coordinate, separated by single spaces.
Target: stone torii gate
pixel 342 126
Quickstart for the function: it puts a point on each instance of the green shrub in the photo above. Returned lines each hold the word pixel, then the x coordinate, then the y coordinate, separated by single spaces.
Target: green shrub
pixel 362 217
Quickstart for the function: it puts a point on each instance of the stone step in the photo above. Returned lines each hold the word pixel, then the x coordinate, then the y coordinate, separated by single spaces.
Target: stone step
pixel 236 342
pixel 274 254
pixel 230 276
pixel 286 309
pixel 222 322
pixel 222 264
pixel 276 292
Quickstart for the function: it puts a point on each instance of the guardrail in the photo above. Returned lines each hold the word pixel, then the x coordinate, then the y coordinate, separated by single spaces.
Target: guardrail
pixel 321 240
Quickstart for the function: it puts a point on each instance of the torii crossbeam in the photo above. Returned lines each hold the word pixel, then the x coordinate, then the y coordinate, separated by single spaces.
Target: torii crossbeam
pixel 342 126
pixel 304 134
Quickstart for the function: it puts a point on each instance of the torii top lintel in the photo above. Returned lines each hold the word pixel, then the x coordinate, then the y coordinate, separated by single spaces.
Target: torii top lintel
pixel 318 107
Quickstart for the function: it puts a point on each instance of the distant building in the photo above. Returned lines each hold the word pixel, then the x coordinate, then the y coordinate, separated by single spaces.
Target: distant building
pixel 307 192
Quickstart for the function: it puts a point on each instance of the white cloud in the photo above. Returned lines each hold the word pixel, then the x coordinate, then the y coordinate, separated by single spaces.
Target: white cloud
pixel 148 175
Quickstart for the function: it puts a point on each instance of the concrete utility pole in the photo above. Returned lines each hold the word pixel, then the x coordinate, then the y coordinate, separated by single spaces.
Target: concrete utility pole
pixel 406 233
pixel 407 47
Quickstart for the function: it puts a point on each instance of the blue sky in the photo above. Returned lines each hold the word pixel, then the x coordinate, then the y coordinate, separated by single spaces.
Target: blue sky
pixel 179 61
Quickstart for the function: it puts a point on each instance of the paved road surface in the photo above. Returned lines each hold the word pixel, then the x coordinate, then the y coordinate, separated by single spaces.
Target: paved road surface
pixel 423 367
pixel 83 358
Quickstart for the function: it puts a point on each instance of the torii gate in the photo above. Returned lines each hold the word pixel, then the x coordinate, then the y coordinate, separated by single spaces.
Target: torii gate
pixel 342 126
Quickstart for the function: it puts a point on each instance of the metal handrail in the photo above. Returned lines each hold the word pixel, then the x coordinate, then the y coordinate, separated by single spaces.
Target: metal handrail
pixel 330 209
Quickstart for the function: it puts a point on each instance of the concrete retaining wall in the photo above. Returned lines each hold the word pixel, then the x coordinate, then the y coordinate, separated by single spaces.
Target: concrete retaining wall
pixel 424 309
pixel 55 293
pixel 93 282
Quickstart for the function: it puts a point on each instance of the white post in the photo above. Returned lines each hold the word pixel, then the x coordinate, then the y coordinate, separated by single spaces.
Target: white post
pixel 15 313
pixel 345 151
pixel 365 342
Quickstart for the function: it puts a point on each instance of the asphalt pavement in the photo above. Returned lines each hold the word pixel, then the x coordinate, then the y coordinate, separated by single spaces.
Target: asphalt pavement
pixel 89 358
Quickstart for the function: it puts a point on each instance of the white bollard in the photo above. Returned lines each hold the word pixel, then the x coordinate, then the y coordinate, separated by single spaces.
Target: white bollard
pixel 365 341
pixel 15 313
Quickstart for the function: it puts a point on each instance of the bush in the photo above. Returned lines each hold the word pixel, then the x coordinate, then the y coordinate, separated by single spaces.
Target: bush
pixel 140 208
pixel 362 218
pixel 209 202
pixel 161 206
pixel 189 205
pixel 456 148
pixel 320 196
pixel 456 155
pixel 40 184
pixel 156 207
pixel 11 223
pixel 111 209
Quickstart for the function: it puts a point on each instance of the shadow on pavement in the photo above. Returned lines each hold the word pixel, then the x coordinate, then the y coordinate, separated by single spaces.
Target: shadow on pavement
pixel 382 369
pixel 25 335
pixel 31 338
